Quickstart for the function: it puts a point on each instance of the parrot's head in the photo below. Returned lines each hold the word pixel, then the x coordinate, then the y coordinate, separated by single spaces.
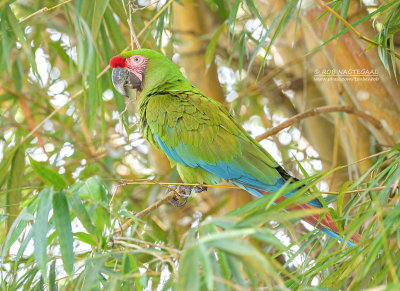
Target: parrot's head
pixel 128 73
pixel 144 70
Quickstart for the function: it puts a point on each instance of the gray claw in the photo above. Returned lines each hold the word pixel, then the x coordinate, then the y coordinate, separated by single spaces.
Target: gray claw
pixel 199 189
pixel 183 194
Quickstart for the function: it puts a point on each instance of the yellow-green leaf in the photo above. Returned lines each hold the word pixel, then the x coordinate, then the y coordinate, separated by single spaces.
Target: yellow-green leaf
pixel 49 176
pixel 41 228
pixel 64 230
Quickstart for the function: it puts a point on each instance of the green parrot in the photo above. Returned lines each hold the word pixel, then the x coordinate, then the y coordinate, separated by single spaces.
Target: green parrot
pixel 199 136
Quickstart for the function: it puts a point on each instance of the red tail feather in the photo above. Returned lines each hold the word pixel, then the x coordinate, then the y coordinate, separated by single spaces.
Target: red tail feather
pixel 325 222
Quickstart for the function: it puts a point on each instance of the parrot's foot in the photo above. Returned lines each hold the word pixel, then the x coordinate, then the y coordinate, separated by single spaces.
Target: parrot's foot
pixel 199 189
pixel 183 194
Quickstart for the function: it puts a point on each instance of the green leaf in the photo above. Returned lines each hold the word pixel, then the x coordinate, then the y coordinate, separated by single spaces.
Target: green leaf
pixel 340 198
pixel 81 212
pixel 64 230
pixel 5 164
pixel 93 189
pixel 135 269
pixel 86 238
pixel 188 276
pixel 41 228
pixel 84 46
pixel 99 9
pixel 112 26
pixel 93 95
pixel 52 277
pixel 5 53
pixel 17 29
pixel 254 11
pixel 14 185
pixel 232 18
pixel 18 73
pixel 207 267
pixel 17 228
pixel 92 268
pixel 24 244
pixel 49 176
pixel 209 54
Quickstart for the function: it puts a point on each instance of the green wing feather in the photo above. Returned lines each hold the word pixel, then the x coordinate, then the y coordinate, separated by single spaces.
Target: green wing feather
pixel 207 130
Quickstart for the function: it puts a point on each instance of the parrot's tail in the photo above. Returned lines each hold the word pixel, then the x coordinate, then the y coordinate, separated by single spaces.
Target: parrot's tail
pixel 324 223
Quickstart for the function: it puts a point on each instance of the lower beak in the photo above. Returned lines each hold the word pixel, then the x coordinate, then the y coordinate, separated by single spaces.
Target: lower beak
pixel 123 79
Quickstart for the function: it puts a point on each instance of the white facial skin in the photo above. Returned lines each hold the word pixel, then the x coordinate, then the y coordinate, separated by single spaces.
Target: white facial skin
pixel 137 64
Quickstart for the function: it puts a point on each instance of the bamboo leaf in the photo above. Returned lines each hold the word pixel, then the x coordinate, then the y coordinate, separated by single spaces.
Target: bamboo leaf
pixel 232 18
pixel 41 228
pixel 188 277
pixel 52 277
pixel 254 11
pixel 340 199
pixel 49 176
pixel 64 230
pixel 99 9
pixel 135 269
pixel 116 38
pixel 86 238
pixel 209 54
pixel 5 165
pixel 5 52
pixel 207 267
pixel 81 212
pixel 14 185
pixel 93 96
pixel 17 29
pixel 17 228
pixel 24 244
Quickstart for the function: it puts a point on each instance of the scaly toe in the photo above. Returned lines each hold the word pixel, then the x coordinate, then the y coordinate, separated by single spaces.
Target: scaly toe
pixel 183 192
pixel 177 201
pixel 199 189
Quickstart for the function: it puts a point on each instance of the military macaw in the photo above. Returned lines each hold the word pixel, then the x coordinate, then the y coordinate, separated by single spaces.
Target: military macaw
pixel 199 136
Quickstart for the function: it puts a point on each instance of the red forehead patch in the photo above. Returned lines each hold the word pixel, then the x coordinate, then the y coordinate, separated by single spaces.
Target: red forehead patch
pixel 118 61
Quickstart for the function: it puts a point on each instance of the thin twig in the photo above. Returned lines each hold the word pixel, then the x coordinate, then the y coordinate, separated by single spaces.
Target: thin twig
pixel 394 187
pixel 319 110
pixel 132 9
pixel 155 245
pixel 164 184
pixel 146 211
pixel 44 9
pixel 235 187
pixel 349 26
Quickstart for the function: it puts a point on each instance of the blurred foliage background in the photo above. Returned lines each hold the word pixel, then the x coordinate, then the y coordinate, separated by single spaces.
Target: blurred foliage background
pixel 74 166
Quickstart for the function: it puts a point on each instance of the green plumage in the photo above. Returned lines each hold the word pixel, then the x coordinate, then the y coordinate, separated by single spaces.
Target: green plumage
pixel 183 118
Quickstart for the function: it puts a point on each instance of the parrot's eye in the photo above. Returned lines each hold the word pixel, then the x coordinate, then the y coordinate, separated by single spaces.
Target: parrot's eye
pixel 136 59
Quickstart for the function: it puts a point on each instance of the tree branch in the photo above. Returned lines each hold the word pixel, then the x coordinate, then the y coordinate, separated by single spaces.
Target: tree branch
pixel 350 27
pixel 44 9
pixel 319 110
pixel 146 211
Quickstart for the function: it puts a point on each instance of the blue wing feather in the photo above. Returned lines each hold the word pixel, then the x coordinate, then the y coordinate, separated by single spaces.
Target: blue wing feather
pixel 228 171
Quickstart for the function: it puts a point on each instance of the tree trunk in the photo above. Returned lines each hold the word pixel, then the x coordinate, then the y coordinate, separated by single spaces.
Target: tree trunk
pixel 190 25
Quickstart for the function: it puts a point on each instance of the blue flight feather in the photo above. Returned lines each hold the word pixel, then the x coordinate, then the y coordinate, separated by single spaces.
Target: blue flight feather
pixel 228 171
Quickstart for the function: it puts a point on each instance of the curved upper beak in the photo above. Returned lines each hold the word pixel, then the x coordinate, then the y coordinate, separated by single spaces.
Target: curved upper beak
pixel 123 79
